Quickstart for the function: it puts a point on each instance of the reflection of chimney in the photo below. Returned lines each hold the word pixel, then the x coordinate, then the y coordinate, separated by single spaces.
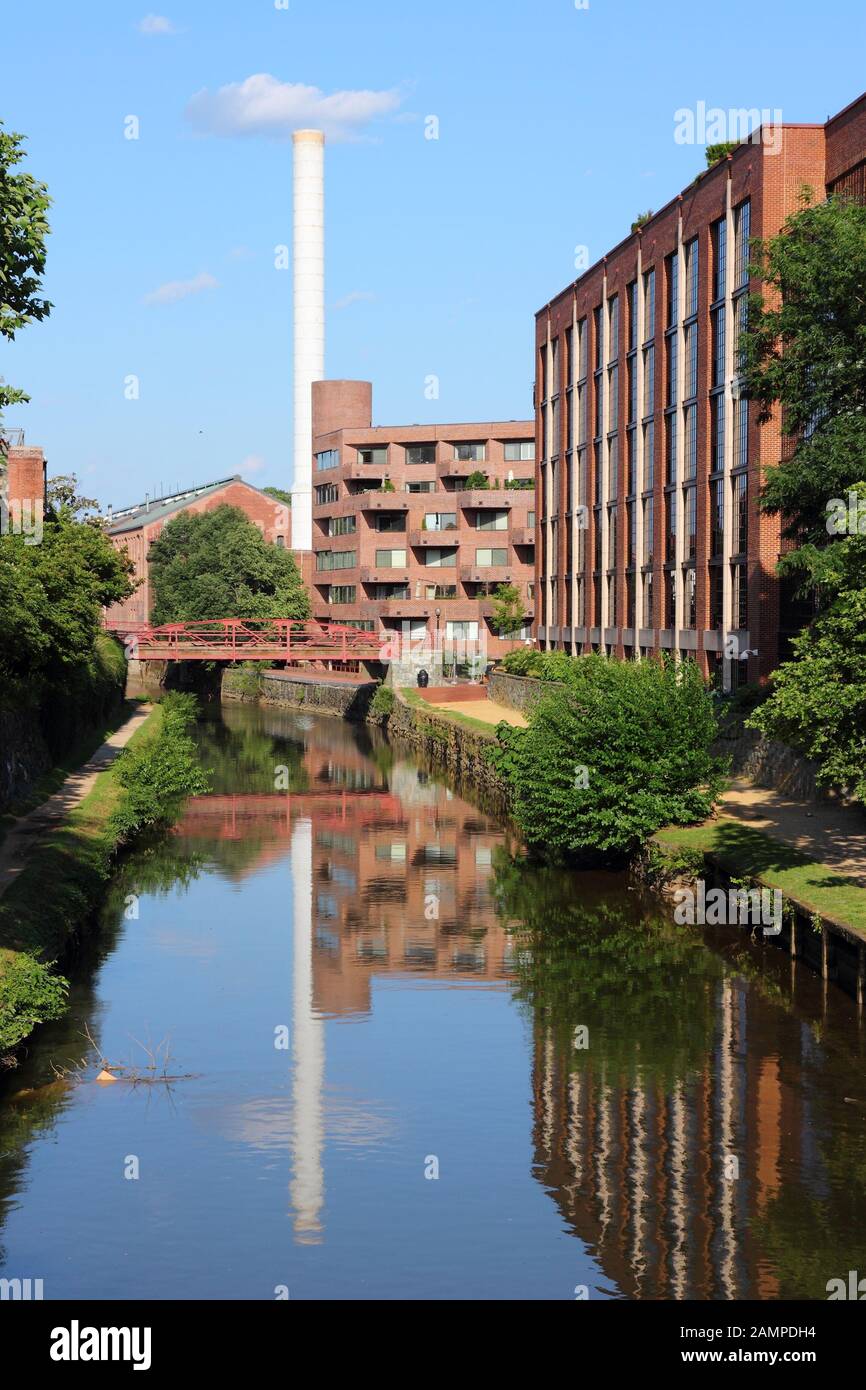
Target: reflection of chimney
pixel 308 264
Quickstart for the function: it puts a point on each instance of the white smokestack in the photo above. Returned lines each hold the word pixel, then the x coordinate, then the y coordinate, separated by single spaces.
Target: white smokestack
pixel 309 316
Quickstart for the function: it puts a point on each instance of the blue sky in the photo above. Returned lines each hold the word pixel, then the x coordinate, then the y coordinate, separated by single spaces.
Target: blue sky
pixel 555 129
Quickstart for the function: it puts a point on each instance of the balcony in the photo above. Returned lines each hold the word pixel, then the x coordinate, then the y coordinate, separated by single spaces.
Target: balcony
pixel 381 502
pixel 485 574
pixel 443 539
pixel 523 535
pixel 354 469
pixel 383 574
pixel 491 497
pixel 459 468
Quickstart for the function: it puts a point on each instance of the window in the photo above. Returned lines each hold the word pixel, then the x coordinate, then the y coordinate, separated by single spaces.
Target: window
pixel 740 597
pixel 421 487
pixel 741 442
pixel 486 558
pixel 671 353
pixel 631 296
pixel 648 530
pixel 328 458
pixel 649 388
pixel 438 558
pixel 672 266
pixel 742 224
pixel 470 453
pixel 440 521
pixel 690 598
pixel 341 525
pixel 720 257
pixel 491 521
pixel 420 453
pixel 336 559
pixel 390 559
pixel 691 441
pixel 690 499
pixel 649 300
pixel 432 591
pixel 649 456
pixel 613 328
pixel 718 331
pixel 717 517
pixel 390 521
pixel 461 631
pixel 519 449
pixel 325 493
pixel 691 364
pixel 692 260
pixel 379 454
pixel 717 433
pixel 670 448
pixel 341 593
pixel 741 513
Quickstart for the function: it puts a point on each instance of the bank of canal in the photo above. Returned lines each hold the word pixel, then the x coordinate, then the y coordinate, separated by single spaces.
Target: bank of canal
pixel 414 1069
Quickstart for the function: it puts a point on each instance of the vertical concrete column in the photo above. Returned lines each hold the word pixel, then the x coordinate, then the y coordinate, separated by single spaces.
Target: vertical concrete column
pixel 308 268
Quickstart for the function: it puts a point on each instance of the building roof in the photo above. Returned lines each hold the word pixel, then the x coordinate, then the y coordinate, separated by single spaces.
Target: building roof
pixel 155 509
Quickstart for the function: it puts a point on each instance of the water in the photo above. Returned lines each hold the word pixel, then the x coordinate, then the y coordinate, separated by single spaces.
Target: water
pixel 610 1102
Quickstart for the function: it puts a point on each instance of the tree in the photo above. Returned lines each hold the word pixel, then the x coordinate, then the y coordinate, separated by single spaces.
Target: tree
pixel 217 564
pixel 818 700
pixel 621 749
pixel 279 495
pixel 804 350
pixel 51 601
pixel 509 614
pixel 24 204
pixel 714 153
pixel 642 219
pixel 62 495
pixel 477 481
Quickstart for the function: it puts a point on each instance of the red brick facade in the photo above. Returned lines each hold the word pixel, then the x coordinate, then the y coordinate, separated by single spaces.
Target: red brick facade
pixel 400 544
pixel 136 529
pixel 650 465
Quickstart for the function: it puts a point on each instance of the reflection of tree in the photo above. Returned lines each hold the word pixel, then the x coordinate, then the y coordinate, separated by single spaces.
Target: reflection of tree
pixel 244 758
pixel 589 953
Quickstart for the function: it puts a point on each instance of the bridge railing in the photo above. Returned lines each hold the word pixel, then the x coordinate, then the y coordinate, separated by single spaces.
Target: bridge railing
pixel 239 638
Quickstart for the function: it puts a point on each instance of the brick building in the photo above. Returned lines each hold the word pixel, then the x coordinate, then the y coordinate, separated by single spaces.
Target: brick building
pixel 136 528
pixel 22 487
pixel 650 459
pixel 400 542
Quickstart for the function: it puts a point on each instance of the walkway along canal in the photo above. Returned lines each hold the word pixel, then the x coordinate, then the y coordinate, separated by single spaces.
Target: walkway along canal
pixel 413 1069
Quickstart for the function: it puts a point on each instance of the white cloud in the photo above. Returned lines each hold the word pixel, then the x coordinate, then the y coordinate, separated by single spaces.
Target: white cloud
pixel 262 105
pixel 354 297
pixel 155 24
pixel 175 290
pixel 253 463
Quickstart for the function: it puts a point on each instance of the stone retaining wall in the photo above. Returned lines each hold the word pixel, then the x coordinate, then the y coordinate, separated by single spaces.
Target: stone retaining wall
pixel 349 700
pixel 446 744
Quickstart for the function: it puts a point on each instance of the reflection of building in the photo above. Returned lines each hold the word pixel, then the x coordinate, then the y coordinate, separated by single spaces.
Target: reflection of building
pixel 667 1182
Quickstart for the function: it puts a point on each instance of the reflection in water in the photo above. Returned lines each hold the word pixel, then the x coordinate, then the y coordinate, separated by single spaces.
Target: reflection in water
pixel 613 1101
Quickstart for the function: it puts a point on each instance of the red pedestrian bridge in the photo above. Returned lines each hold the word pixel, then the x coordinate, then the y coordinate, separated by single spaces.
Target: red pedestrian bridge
pixel 243 639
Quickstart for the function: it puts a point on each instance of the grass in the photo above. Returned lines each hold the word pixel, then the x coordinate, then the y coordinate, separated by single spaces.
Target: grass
pixel 750 853
pixel 478 726
pixel 61 882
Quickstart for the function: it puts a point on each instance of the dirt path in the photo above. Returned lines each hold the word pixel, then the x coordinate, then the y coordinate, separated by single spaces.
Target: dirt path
pixel 29 829
pixel 832 834
pixel 485 710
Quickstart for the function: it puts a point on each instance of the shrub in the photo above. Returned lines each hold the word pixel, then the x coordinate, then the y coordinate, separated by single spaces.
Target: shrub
pixel 382 703
pixel 619 751
pixel 29 994
pixel 159 775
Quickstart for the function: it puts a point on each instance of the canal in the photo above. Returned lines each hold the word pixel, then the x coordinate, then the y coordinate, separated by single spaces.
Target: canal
pixel 408 1068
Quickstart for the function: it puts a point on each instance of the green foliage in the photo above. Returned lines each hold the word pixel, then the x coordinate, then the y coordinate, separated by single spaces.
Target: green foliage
pixel 720 151
pixel 509 613
pixel 804 350
pixel 51 597
pixel 29 994
pixel 608 758
pixel 245 680
pixel 477 481
pixel 24 204
pixel 383 702
pixel 642 219
pixel 544 666
pixel 388 486
pixel 279 495
pixel 217 564
pixel 519 484
pixel 818 700
pixel 160 774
